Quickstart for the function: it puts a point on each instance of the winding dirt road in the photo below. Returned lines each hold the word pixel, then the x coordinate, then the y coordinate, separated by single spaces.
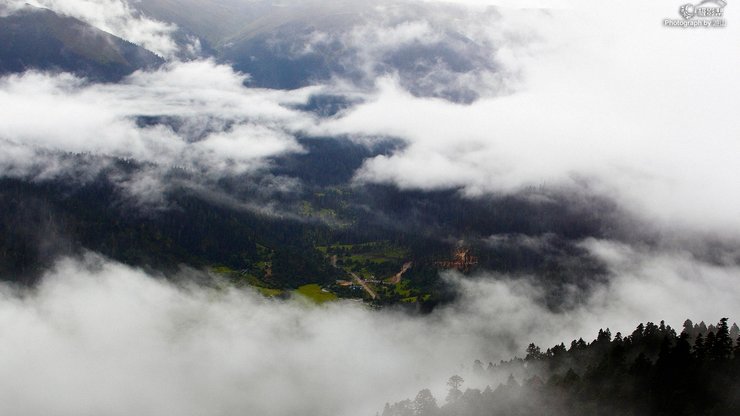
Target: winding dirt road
pixel 396 279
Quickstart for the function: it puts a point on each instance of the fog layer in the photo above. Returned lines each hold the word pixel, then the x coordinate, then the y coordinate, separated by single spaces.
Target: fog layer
pixel 100 337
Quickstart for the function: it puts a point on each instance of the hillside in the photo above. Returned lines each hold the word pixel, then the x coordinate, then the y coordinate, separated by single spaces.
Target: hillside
pixel 35 38
pixel 652 371
pixel 310 42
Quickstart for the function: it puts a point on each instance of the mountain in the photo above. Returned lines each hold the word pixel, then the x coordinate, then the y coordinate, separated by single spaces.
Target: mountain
pixel 210 20
pixel 36 38
pixel 220 22
pixel 315 41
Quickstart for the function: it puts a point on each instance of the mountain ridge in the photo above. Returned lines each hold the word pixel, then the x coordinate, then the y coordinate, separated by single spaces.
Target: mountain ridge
pixel 40 39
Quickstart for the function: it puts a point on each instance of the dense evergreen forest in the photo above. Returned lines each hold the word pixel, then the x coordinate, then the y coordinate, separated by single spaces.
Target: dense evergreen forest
pixel 652 371
pixel 321 232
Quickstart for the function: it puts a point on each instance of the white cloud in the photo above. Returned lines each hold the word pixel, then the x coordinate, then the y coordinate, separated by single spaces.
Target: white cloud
pixel 435 50
pixel 240 127
pixel 641 112
pixel 103 337
pixel 510 4
pixel 97 336
pixel 654 285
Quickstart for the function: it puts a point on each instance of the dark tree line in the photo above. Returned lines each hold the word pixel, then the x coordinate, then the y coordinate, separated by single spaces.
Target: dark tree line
pixel 652 371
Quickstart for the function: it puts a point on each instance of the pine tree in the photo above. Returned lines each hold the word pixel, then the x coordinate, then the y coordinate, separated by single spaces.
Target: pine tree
pixel 604 336
pixel 734 331
pixel 533 352
pixel 681 352
pixel 699 347
pixel 688 328
pixel 709 345
pixel 722 348
pixel 454 383
pixel 425 404
pixel 638 333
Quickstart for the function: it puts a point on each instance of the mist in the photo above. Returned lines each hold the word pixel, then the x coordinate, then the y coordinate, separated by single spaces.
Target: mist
pixel 96 336
pixel 624 108
pixel 204 121
pixel 642 115
pixel 599 102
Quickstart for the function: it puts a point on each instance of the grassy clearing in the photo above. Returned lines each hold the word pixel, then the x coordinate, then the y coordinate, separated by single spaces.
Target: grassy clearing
pixel 372 258
pixel 270 293
pixel 241 278
pixel 223 270
pixel 402 289
pixel 314 292
pixel 308 210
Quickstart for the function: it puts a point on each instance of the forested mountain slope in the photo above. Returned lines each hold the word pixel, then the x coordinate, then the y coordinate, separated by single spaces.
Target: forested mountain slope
pixel 652 371
pixel 35 38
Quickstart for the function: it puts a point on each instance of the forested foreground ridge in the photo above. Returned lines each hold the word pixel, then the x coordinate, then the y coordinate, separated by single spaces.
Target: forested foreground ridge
pixel 652 371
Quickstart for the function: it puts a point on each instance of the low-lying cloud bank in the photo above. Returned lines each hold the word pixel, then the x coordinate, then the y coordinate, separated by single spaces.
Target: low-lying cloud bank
pixel 434 50
pixel 605 98
pixel 626 108
pixel 196 116
pixel 100 337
